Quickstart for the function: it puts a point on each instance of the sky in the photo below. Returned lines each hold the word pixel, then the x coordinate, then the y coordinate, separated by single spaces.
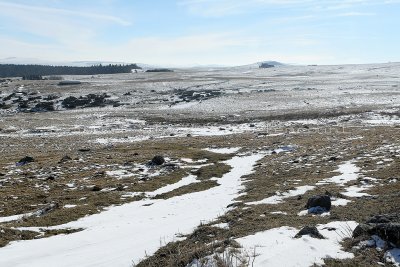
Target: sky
pixel 202 32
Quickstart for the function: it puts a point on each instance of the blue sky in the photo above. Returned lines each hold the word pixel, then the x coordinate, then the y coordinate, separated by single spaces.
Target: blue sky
pixel 191 32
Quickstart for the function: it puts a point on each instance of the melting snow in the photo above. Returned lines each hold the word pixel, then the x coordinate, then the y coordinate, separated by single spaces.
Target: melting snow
pixel 340 202
pixel 129 232
pixel 274 245
pixel 14 217
pixel 349 172
pixel 168 188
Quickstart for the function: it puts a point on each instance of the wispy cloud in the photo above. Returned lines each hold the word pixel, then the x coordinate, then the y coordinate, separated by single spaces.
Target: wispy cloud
pixel 63 12
pixel 212 8
pixel 355 14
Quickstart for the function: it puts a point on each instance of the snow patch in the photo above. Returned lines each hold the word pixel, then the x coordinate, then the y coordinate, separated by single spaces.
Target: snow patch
pixel 349 172
pixel 274 244
pixel 226 150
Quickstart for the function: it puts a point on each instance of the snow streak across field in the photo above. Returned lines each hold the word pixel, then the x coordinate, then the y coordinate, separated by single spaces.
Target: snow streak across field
pixel 125 234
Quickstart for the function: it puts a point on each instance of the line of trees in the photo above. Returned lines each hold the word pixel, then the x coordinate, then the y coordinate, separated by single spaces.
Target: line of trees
pixel 13 70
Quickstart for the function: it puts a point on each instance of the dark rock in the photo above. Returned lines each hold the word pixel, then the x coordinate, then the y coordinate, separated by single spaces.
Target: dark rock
pixel 84 149
pixel 389 232
pixel 362 230
pixel 333 158
pixel 25 160
pixel 96 188
pixel 311 231
pixel 158 160
pixel 322 201
pixel 50 178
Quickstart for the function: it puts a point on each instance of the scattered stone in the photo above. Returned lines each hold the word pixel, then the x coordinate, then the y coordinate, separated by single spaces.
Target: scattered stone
pixel 311 231
pixel 322 201
pixel 158 160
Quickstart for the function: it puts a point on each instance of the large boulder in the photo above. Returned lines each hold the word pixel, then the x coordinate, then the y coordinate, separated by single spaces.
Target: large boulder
pixel 323 201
